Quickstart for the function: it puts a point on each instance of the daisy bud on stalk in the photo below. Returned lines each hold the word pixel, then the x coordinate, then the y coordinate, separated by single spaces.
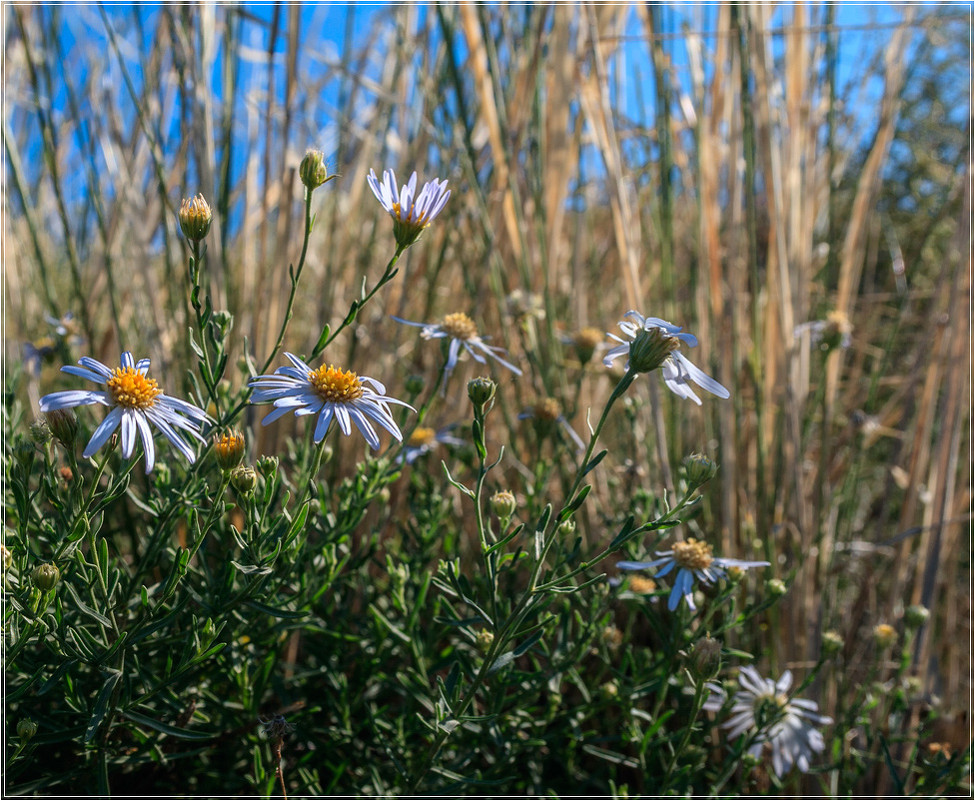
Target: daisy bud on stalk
pixel 229 449
pixel 64 425
pixel 312 170
pixel 46 577
pixel 195 218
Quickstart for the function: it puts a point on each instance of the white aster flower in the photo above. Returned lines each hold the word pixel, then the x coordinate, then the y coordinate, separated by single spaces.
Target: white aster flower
pixel 135 402
pixel 462 332
pixel 423 440
pixel 331 393
pixel 412 213
pixel 694 560
pixel 545 414
pixel 764 708
pixel 653 343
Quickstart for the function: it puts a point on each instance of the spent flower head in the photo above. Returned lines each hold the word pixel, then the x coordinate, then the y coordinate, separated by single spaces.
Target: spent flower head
pixel 462 333
pixel 764 709
pixel 694 560
pixel 135 401
pixel 412 213
pixel 546 414
pixel 333 394
pixel 653 343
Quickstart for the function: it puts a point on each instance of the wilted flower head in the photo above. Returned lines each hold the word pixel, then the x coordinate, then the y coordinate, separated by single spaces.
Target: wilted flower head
pixel 694 559
pixel 412 213
pixel 331 393
pixel 653 343
pixel 764 708
pixel 462 333
pixel 135 402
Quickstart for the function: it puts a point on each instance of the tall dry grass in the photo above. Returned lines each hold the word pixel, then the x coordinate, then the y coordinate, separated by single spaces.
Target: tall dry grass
pixel 740 211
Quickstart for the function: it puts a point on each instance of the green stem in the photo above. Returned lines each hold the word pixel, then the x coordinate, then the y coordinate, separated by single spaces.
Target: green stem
pixel 295 277
pixel 688 729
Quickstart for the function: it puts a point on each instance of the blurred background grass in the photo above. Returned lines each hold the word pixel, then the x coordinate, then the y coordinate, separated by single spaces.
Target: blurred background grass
pixel 735 169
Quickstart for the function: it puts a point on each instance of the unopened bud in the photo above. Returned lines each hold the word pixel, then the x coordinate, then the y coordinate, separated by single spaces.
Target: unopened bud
pixel 704 660
pixel 414 384
pixel 312 170
pixel 503 504
pixel 485 639
pixel 46 577
pixel 64 425
pixel 267 466
pixel 916 616
pixel 195 218
pixel 884 635
pixel 40 431
pixel 567 527
pixel 480 391
pixel 699 469
pixel 243 479
pixel 26 729
pixel 832 643
pixel 776 588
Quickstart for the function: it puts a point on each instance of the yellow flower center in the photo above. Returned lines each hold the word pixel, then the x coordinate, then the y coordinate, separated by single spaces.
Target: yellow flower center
pixel 547 410
pixel 693 555
pixel 419 222
pixel 459 326
pixel 640 585
pixel 588 337
pixel 132 390
pixel 335 385
pixel 422 436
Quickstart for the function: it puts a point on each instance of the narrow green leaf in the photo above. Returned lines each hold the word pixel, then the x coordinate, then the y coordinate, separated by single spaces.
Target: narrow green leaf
pixel 101 708
pixel 286 614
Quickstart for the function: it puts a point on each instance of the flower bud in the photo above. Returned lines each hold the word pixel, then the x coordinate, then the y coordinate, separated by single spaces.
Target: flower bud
pixel 609 690
pixel 229 449
pixel 26 729
pixel 414 384
pixel 6 557
pixel 312 170
pixel 832 643
pixel 698 469
pixel 64 425
pixel 704 659
pixel 46 577
pixel 611 637
pixel 267 466
pixel 243 479
pixel 503 504
pixel 195 218
pixel 650 349
pixel 567 527
pixel 916 616
pixel 24 450
pixel 884 635
pixel 776 588
pixel 485 639
pixel 480 391
pixel 40 431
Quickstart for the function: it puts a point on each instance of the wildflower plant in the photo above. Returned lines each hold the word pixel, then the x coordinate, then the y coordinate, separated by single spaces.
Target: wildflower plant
pixel 275 609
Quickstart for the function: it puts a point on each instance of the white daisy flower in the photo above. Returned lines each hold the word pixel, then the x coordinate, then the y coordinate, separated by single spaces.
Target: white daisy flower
pixel 764 708
pixel 412 213
pixel 462 332
pixel 423 440
pixel 547 412
pixel 653 343
pixel 135 402
pixel 694 560
pixel 331 393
